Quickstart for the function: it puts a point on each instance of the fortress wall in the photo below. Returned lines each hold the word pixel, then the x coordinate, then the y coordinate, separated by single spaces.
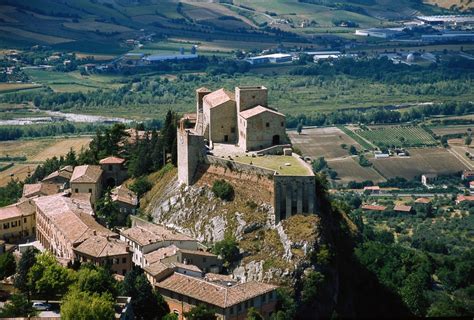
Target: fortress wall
pixel 239 167
pixel 293 195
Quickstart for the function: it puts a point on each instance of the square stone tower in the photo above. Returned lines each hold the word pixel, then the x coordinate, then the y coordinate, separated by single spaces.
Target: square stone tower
pixel 249 97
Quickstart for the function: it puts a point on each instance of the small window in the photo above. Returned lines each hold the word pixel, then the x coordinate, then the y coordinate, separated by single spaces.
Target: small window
pixel 76 190
pixel 204 259
pixel 232 130
pixel 110 167
pixel 282 124
pixel 6 225
pixel 124 272
pixel 24 220
pixel 124 260
pixel 90 190
pixel 253 97
pixel 268 124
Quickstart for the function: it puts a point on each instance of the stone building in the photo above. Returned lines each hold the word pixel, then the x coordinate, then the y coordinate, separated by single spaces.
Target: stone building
pixel 87 179
pixel 114 171
pixel 230 301
pixel 126 199
pixel 60 177
pixel 242 118
pixel 100 250
pixel 145 237
pixel 239 125
pixel 17 221
pixel 31 190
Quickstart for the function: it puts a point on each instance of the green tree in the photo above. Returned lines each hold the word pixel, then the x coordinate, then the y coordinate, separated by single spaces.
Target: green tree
pixel 18 306
pixel 352 150
pixel 228 250
pixel 170 316
pixel 413 294
pixel 109 210
pixel 147 303
pixel 141 186
pixel 78 305
pixel 200 312
pixel 11 192
pixel 48 278
pixel 311 286
pixel 7 265
pixel 27 260
pixel 299 128
pixel 319 164
pixel 468 140
pixel 223 190
pixel 286 305
pixel 253 314
pixel 93 279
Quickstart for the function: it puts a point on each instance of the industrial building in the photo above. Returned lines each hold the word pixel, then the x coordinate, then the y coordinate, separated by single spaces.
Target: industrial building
pixel 388 33
pixel 451 19
pixel 270 58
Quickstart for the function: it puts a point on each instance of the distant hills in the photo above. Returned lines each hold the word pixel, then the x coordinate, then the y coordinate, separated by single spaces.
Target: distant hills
pixel 103 25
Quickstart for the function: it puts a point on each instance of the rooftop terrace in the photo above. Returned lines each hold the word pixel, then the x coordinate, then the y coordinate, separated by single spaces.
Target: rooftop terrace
pixel 284 165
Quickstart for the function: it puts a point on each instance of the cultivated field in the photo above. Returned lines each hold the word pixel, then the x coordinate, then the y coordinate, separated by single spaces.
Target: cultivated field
pixel 322 142
pixel 348 169
pixel 426 160
pixel 18 171
pixel 443 130
pixel 12 87
pixel 407 136
pixel 61 147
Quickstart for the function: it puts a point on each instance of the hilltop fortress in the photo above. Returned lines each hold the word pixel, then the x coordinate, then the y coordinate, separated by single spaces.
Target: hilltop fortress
pixel 239 133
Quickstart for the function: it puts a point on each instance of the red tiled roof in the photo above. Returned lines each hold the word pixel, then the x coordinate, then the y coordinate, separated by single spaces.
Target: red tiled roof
pixel 153 233
pixel 203 89
pixel 125 195
pixel 422 200
pixel 100 246
pixel 402 208
pixel 39 189
pixel 17 210
pixel 212 293
pixel 86 173
pixel 112 160
pixel 373 207
pixel 462 198
pixel 218 97
pixel 372 188
pixel 252 112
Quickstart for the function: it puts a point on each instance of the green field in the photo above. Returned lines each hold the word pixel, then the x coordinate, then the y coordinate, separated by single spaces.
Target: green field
pixel 402 136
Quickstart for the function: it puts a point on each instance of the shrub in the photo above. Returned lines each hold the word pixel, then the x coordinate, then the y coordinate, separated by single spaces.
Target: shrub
pixel 223 190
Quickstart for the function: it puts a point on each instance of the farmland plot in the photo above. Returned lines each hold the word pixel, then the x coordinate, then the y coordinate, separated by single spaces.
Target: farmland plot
pixel 349 170
pixel 426 160
pixel 400 136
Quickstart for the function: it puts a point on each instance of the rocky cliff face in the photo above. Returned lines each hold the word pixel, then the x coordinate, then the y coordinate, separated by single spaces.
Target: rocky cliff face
pixel 273 253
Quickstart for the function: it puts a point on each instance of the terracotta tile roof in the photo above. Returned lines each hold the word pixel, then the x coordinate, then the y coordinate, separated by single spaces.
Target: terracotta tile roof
pixel 462 198
pixel 17 210
pixel 65 173
pixel 402 208
pixel 157 268
pixel 215 277
pixel 212 293
pixel 86 173
pixel 125 195
pixel 153 233
pixel 190 267
pixel 468 173
pixel 39 189
pixel 249 113
pixel 422 200
pixel 100 246
pixel 71 217
pixel 198 252
pixel 203 89
pixel 372 188
pixel 373 207
pixel 112 160
pixel 158 255
pixel 218 97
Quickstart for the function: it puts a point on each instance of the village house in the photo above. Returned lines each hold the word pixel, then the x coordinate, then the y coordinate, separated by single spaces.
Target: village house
pixel 372 189
pixel 428 178
pixel 60 177
pixel 462 198
pixel 467 175
pixel 229 300
pixel 100 250
pixel 373 207
pixel 39 189
pixel 17 221
pixel 402 208
pixel 63 223
pixel 87 179
pixel 114 171
pixel 126 199
pixel 145 237
pixel 422 200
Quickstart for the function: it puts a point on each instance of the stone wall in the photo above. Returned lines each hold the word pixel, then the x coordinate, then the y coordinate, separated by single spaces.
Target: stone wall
pixel 222 122
pixel 293 195
pixel 261 131
pixel 275 150
pixel 249 97
pixel 190 153
pixel 239 167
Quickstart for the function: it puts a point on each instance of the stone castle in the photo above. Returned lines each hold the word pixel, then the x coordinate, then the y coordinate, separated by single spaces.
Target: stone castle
pixel 242 124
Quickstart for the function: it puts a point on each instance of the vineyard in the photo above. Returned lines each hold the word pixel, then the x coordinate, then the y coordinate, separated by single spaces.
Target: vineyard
pixel 398 136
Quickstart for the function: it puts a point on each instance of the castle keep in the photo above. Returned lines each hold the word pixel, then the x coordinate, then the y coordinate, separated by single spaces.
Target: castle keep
pixel 239 130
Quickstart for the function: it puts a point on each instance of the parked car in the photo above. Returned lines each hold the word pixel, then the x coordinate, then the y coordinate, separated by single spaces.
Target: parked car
pixel 42 306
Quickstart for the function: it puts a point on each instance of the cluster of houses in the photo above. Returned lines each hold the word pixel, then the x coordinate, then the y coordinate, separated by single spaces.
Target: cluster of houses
pixel 59 212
